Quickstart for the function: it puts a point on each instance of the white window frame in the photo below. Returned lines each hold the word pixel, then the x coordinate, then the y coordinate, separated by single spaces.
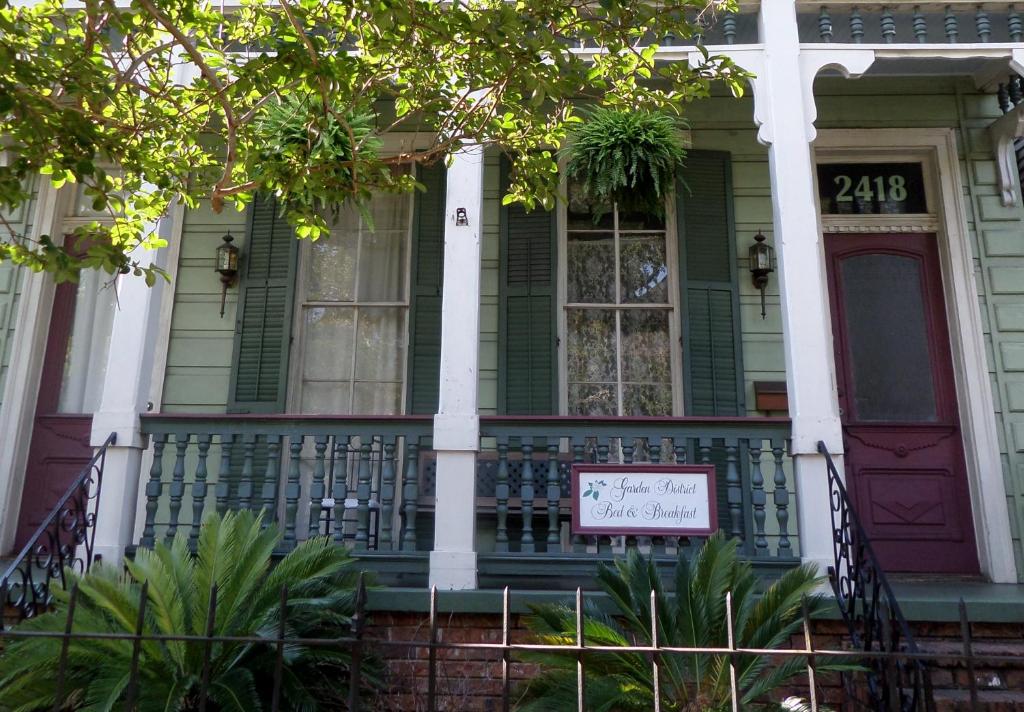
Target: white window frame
pixel 675 317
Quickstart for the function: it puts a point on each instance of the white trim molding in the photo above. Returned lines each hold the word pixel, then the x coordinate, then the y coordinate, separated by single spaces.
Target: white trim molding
pixel 936 149
pixel 31 326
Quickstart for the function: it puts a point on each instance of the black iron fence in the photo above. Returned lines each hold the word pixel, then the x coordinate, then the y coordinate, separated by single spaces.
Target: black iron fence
pixel 64 540
pixel 434 647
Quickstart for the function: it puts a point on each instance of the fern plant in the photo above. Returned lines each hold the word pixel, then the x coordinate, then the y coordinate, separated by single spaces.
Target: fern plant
pixel 314 159
pixel 625 157
pixel 694 617
pixel 233 553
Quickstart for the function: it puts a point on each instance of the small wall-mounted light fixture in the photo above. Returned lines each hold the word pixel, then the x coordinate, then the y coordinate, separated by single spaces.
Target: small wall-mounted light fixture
pixel 762 264
pixel 461 218
pixel 227 266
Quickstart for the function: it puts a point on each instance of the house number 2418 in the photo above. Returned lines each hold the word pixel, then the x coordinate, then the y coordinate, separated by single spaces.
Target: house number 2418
pixel 878 188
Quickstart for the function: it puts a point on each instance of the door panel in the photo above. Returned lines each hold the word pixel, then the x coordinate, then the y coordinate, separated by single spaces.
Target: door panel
pixel 904 451
pixel 60 440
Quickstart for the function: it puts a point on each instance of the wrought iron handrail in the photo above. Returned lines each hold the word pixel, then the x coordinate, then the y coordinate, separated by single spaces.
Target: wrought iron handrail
pixel 870 609
pixel 65 538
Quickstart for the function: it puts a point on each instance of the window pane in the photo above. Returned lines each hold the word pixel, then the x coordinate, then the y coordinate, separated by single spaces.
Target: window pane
pixel 646 356
pixel 320 398
pixel 591 347
pixel 591 268
pixel 382 253
pixel 641 221
pixel 644 270
pixel 380 344
pixel 328 344
pixel 646 399
pixel 580 211
pixel 85 363
pixel 378 398
pixel 332 261
pixel 592 399
pixel 886 326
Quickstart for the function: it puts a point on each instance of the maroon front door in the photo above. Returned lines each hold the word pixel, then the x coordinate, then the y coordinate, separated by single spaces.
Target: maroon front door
pixel 904 451
pixel 60 441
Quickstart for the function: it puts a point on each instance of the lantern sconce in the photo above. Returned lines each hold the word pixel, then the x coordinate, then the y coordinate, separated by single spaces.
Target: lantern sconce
pixel 227 267
pixel 762 264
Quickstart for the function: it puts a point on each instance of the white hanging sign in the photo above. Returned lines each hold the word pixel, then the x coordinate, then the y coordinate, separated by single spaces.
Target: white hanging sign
pixel 653 500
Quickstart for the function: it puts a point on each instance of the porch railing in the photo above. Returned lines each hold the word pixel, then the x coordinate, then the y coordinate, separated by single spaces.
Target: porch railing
pixel 369 482
pixel 910 22
pixel 63 540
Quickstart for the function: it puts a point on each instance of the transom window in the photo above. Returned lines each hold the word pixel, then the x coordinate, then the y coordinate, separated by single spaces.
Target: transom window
pixel 620 312
pixel 353 312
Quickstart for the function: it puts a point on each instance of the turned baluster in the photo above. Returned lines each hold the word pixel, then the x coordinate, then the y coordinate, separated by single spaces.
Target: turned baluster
pixel 292 489
pixel 920 25
pixel 856 26
pixel 223 492
pixel 363 482
pixel 825 25
pixel 317 489
pixel 951 25
pixel 501 492
pixel 270 479
pixel 1014 24
pixel 526 493
pixel 758 498
pixel 154 488
pixel 177 488
pixel 554 496
pixel 339 487
pixel 781 497
pixel 203 441
pixel 410 493
pixel 387 496
pixel 245 481
pixel 888 26
pixel 982 24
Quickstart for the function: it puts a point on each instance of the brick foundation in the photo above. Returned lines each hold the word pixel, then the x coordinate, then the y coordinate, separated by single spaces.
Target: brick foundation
pixel 470 680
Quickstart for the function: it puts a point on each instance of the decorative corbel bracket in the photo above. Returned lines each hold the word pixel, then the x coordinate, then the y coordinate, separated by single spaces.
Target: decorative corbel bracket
pixel 851 63
pixel 750 58
pixel 1002 133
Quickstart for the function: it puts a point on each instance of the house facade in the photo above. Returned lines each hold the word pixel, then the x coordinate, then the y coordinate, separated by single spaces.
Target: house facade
pixel 419 388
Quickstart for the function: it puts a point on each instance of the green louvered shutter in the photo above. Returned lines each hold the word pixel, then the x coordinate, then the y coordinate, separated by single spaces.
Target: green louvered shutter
pixel 710 292
pixel 259 375
pixel 427 279
pixel 527 382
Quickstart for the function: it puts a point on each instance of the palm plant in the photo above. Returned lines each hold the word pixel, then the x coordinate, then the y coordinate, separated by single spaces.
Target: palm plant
pixel 233 556
pixel 694 617
pixel 625 157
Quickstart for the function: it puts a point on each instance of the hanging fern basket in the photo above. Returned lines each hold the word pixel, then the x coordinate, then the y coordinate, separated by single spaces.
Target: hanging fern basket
pixel 627 158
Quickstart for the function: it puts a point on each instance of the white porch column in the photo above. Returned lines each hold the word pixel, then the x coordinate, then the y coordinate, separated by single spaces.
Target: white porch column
pixel 806 323
pixel 126 393
pixel 457 424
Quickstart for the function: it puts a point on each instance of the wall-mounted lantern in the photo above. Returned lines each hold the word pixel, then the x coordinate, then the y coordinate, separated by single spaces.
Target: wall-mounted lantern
pixel 227 266
pixel 762 264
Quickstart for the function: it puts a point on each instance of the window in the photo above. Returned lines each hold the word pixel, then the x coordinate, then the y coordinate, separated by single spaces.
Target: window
pixel 352 312
pixel 621 319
